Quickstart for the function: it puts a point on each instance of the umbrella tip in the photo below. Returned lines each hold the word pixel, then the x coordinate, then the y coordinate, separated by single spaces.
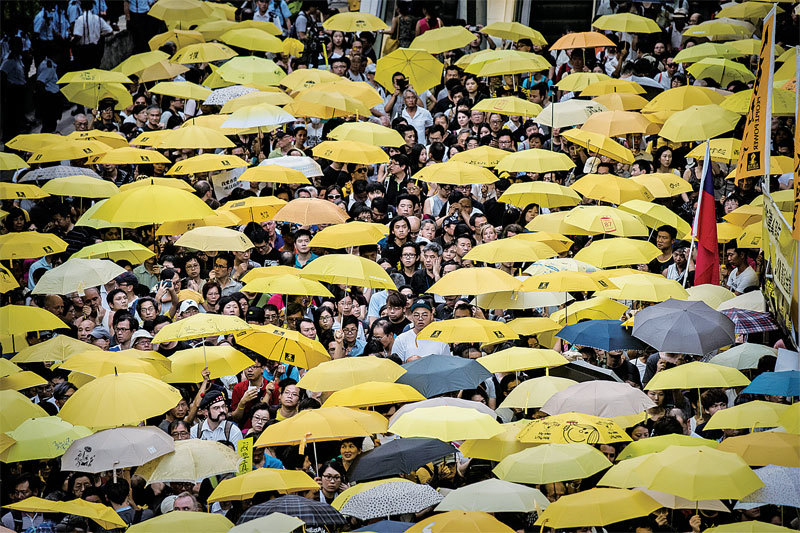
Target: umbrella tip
pixel 115 371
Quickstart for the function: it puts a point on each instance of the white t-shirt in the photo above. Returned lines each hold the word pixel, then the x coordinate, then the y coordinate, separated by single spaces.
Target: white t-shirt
pixel 407 345
pixel 739 282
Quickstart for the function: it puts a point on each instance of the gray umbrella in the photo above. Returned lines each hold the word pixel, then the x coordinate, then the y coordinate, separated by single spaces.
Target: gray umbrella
pixel 679 326
pixel 391 499
pixel 581 371
pixel 58 171
pixel 781 486
pixel 220 96
pixel 116 448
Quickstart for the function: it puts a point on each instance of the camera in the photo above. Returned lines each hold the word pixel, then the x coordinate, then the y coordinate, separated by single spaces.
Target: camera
pixel 402 85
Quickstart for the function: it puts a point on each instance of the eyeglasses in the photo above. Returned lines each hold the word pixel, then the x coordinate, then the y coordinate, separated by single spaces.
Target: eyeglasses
pixel 360 170
pixel 217 265
pixel 180 434
pixel 334 196
pixel 409 256
pixel 260 419
pixel 350 330
pixel 332 478
pixel 292 394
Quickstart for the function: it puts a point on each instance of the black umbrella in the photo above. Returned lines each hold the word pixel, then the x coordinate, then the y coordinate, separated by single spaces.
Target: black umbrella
pixel 313 513
pixel 437 374
pixel 581 371
pixel 400 456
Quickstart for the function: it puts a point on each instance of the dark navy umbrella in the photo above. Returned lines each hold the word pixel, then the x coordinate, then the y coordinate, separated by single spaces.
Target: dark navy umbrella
pixel 399 456
pixel 386 526
pixel 786 383
pixel 437 374
pixel 605 335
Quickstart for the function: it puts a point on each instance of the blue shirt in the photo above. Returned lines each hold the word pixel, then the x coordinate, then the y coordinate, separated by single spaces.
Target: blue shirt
pixel 139 6
pixel 298 265
pixel 277 13
pixel 358 347
pixel 271 462
pixel 48 25
pixel 291 373
pixel 47 75
pixel 14 70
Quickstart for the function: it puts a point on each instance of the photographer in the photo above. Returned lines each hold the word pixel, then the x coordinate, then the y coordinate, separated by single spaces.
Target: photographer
pixel 275 11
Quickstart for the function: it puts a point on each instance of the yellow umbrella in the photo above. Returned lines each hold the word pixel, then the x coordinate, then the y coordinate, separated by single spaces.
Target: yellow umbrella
pixel 309 211
pixel 284 346
pixel 117 400
pixel 180 10
pixel 194 137
pixel 439 40
pixel 707 50
pixel 498 447
pixel 181 38
pixel 125 250
pixel 578 81
pixel 533 326
pixel 619 123
pixel 533 393
pixel 175 520
pixel 511 65
pixel 421 68
pixel 567 281
pixel 479 280
pixel 750 526
pixel 206 163
pixel 620 101
pixel 80 186
pixel 467 329
pixel 254 208
pixel 349 372
pixel 455 173
pixel 542 193
pixel 585 39
pixel 31 142
pixel 152 204
pixel 597 308
pixel 699 123
pixel 200 325
pixel 460 522
pixel 305 78
pixel 535 160
pixel 203 53
pixel 600 144
pixel 17 408
pixel 251 70
pixel 96 364
pixel 262 480
pixel 550 463
pixel 573 427
pixel 29 245
pixel 697 375
pixel 105 516
pixel 613 86
pixel 130 156
pixel 724 150
pixel 745 215
pixel 513 31
pixel 663 185
pixel 764 448
pixel 139 62
pixel 508 105
pixel 163 70
pixel 94 75
pixel 90 94
pixel 447 423
pixel 556 241
pixel 252 39
pixel 506 250
pixel 680 98
pixel 150 138
pixel 220 219
pixel 111 138
pixel 484 156
pixel 472 63
pixel 10 161
pixel 68 149
pixel 720 29
pixel 597 220
pixel 58 348
pixel 292 47
pixel 656 215
pixel 354 22
pixel 265 272
pixel 7 281
pixel 21 380
pixel 257 116
pixel 644 288
pixel 748 10
pixel 610 188
pixel 518 358
pixel 327 96
pixel 755 414
pixel 367 133
pixel 619 251
pixel 351 234
pixel 713 295
pixel 626 22
pixel 273 174
pixel 21 191
pixel 348 270
pixel 188 365
pixel 698 473
pixel 350 152
pixel 597 507
pixel 724 71
pixel 192 461
pixel 372 393
pixel 286 284
pixel 328 423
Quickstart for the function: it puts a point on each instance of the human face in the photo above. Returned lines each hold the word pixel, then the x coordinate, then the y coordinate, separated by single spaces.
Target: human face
pixel 345 306
pixel 302 244
pixel 180 433
pixel 307 329
pixel 505 143
pixel 180 410
pixel 290 396
pixel 221 269
pixel 463 246
pixel 79 485
pixel 230 309
pixel 331 480
pixel 360 173
pixel 349 451
pixel 153 117
pixel 476 117
pixel 657 396
pixel 253 371
pixel 640 432
pixel 193 268
pixel 472 143
pixel 663 241
pixel 410 99
pixel 218 411
pixel 84 328
pixel 22 491
pixel 350 333
pixel 489 234
pixel 609 452
pixel 184 503
pixel 666 159
pixel 81 124
pixel 421 318
pixel 123 331
pixel 212 296
pixel 409 137
pixel 148 311
pixel 400 229
pixel 260 419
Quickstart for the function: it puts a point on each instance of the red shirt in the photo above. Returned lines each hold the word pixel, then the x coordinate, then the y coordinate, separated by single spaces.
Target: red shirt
pixel 238 391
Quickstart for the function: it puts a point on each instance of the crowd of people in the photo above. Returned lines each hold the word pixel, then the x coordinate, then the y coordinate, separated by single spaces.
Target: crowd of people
pixel 430 228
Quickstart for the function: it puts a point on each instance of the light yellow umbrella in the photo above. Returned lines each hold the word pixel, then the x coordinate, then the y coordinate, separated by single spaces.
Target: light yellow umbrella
pixel 254 208
pixel 479 280
pixel 90 94
pixel 783 102
pixel 22 380
pixel 556 241
pixel 329 96
pixel 17 408
pixel 565 280
pixel 195 137
pixel 598 307
pixel 439 40
pixel 203 53
pixel 187 365
pixel 152 204
pixel 94 75
pixel 663 185
pixel 31 142
pixel 755 414
pixel 747 10
pixel 284 346
pixel 181 89
pixel 573 427
pixel 80 186
pixel 247 485
pixel 751 236
pixel 613 86
pixel 286 284
pixel 656 215
pixel 222 219
pixel 200 325
pixel 597 507
pixel 139 62
pixel 626 22
pixel 619 251
pixel 328 423
pixel 351 234
pixel 368 133
pixel 619 123
pixel 42 438
pixel 273 174
pixel 180 10
pixel 508 105
pixel 76 275
pixel 252 39
pixel 620 101
pixel 58 348
pixel 514 251
pixel 176 520
pixel 21 191
pixel 274 522
pixel 645 288
pixel 344 373
pixel 206 163
pixel 354 21
pixel 604 220
pixel 550 463
pixel 467 329
pixel 698 123
pixel 600 144
pixel 130 156
pixel 720 30
pixel 181 38
pixel 535 160
pixel 193 460
pixel 350 152
pixel 97 364
pixel 447 423
pixel 724 71
pixel 372 393
pixel 498 447
pixel 542 193
pixel 707 50
pixel 111 138
pixel 29 245
pixel 305 78
pixel 163 70
pixel 68 149
pixel 9 161
pixel 210 238
pixel 578 81
pixel 420 67
pixel 517 358
pixel 713 295
pixel 485 156
pixel 251 70
pixel 533 393
pixel 610 188
pixel 348 270
pixel 514 31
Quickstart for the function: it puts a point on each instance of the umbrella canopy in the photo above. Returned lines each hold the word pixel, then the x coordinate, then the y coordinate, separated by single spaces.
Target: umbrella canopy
pixel 310 211
pixel 187 365
pixel 510 250
pixel 570 113
pixel 660 443
pixel 76 275
pixel 283 345
pixel 683 327
pixel 446 423
pixel 367 133
pixel 122 447
pixel 437 374
pixel 518 358
pixel 80 187
pixel 312 513
pixel 152 204
pixel 461 522
pixel 724 71
pixel 348 270
pixel 751 526
pixel 746 321
pixel 513 31
pixel 41 438
pixel 390 499
pixel 698 123
pixel 619 251
pixel 455 173
pixel 712 295
pixel 17 408
pixel 626 22
pixel 599 398
pixel 781 486
pixel 599 143
pixel 605 220
pixel 494 496
pixel 584 39
pixel 608 335
pixel 542 193
pixel 697 375
pixel 30 245
pixel 350 371
pixel 210 238
pixel 18 319
pixel 440 40
pixel 508 105
pixel 125 250
pixel 765 448
pixel 549 463
pixel 786 383
pixel 192 461
pixel 274 522
pixel 498 447
pixel 573 427
pixel 533 393
pixel 535 160
pixel 662 184
pixel 58 348
pixel 175 520
pixel 421 68
pixel 438 402
pixel 200 325
pixel 399 456
pixel 262 480
pixel 328 423
pixel 644 287
pixel 609 188
pixel 373 393
pixel 749 415
pixel 346 235
pixel 96 364
pixel 597 507
pixel 467 329
pixel 103 515
pixel 595 308
pixel 474 281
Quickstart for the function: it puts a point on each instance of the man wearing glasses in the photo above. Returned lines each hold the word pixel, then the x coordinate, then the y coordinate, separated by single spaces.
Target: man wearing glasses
pixel 407 346
pixel 223 266
pixel 253 389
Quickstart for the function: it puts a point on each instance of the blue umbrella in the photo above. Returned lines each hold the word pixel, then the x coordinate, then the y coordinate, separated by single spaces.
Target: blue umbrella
pixel 785 383
pixel 605 335
pixel 437 374
pixel 386 526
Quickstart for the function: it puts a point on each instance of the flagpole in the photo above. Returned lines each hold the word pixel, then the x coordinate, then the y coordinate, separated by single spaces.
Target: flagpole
pixel 706 163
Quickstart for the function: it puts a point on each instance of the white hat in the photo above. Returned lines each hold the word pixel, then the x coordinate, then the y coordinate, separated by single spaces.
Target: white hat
pixel 140 334
pixel 187 304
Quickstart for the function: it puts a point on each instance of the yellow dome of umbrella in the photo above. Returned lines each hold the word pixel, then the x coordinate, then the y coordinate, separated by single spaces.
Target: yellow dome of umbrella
pixel 174 183
pixel 222 219
pixel 712 295
pixel 750 47
pixel 460 522
pixel 745 215
pixel 42 438
pixel 328 423
pixel 195 137
pixel 644 288
pixel 350 152
pixel 180 10
pixel 550 463
pixel 610 188
pixel 751 526
pixel 578 81
pixel 680 98
pixel 152 204
pixel 720 30
pixel 367 133
pixel 472 63
pixel 533 393
pixel 292 47
pixel 567 281
pixel 573 427
pixel 498 447
pixel 656 215
pixel 68 149
pixel 604 220
pixel 181 89
pixel 252 39
pixel 348 372
pixel 29 245
pixel 619 251
pixel 130 156
pixel 751 236
pixel 96 365
pixel 139 62
pixel 510 251
pixel 513 31
pixel 446 423
pixel 14 191
pixel 485 156
pixel 372 393
pixel 597 308
pixel 585 39
pixel 542 193
pixel 310 211
pixel 723 150
pixel 619 123
pixel 90 94
pixel 182 38
pixel 80 187
pixel 479 280
pixel 613 86
pixel 188 365
pixel 765 448
pixel 7 281
pixel 749 415
pixel 702 51
pixel 254 208
pixel 200 325
pixel 354 22
pixel 535 160
pixel 626 22
pixel 24 379
pixel 455 173
pixel 620 101
pixel 723 71
pixel 286 284
pixel 351 234
pixel 10 161
pixel 94 75
pixel 17 408
pixel 268 27
pixel 599 144
pixel 117 400
pixel 422 69
pixel 697 375
pixel 748 10
pixel 467 329
pixel 31 142
pixel 192 461
pixel 203 53
pixel 439 40
pixel 206 163
pixel 284 346
pixel 163 70
pixel 663 184
pixel 251 70
pixel 273 174
pixel 556 241
pixel 58 348
pixel 783 102
pixel 510 65
pixel 248 485
pixel 265 272
pixel 508 105
pixel 111 138
pixel 305 78
pixel 518 358
pixel 339 103
pixel 348 270
pixel 187 520
pixel 597 507
pixel 150 138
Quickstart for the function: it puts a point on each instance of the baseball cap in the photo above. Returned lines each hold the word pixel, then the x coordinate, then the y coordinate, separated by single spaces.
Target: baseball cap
pixel 127 277
pixel 371 68
pixel 255 314
pixel 100 332
pixel 187 304
pixel 421 302
pixel 168 504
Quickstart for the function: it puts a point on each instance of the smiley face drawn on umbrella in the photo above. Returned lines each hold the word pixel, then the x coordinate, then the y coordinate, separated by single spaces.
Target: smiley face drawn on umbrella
pixel 574 432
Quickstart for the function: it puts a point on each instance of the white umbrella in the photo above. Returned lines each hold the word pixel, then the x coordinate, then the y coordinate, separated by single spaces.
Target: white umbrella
pixel 781 486
pixel 306 165
pixel 60 171
pixel 599 398
pixel 76 275
pixel 220 96
pixel 569 113
pixel 390 499
pixel 494 496
pixel 115 448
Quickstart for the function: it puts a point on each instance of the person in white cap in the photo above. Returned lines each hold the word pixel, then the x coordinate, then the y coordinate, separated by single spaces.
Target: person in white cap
pixel 188 308
pixel 142 340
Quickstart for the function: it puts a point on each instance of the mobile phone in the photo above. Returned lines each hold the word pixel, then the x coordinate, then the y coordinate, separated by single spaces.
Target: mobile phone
pixel 167 283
